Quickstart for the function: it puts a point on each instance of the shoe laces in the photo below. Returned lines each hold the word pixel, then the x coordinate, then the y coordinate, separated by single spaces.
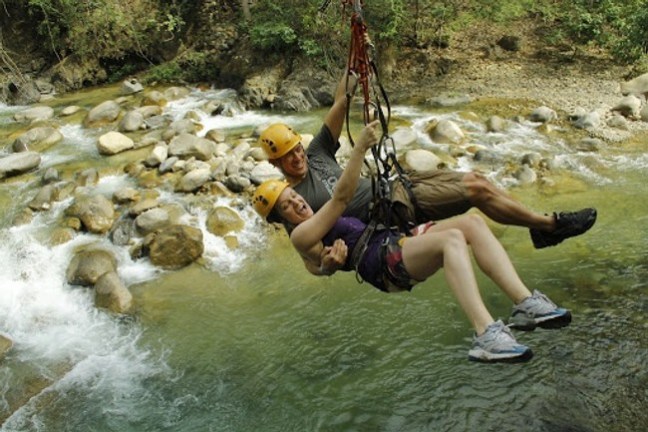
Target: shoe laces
pixel 537 303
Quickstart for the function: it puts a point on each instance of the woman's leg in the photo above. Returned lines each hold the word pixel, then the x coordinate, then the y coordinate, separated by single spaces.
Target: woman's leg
pixel 490 255
pixel 423 255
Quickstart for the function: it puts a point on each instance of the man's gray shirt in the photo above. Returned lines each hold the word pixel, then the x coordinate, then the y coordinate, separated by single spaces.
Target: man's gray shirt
pixel 323 174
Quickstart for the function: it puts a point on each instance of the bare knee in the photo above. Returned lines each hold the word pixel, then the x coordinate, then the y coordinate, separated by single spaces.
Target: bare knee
pixel 454 239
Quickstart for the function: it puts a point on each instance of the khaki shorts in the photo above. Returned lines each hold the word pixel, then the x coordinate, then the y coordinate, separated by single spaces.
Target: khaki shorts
pixel 439 194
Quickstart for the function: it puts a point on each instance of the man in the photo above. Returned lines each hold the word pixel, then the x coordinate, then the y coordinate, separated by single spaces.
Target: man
pixel 438 194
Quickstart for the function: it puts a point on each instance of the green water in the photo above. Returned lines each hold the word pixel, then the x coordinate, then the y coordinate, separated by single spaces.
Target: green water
pixel 271 348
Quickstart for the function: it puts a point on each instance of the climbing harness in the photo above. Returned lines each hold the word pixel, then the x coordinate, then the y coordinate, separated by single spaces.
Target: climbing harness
pixel 362 66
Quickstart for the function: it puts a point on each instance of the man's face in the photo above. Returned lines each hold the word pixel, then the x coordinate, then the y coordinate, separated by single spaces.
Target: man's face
pixel 294 164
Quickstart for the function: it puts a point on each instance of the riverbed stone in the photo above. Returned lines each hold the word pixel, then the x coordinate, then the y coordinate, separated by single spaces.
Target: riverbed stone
pixel 106 112
pixel 131 122
pixel 43 199
pixel 95 212
pixel 112 294
pixel 19 163
pixel 152 220
pixel 186 145
pixel 193 180
pixel 421 160
pixel 37 139
pixel 130 86
pixel 223 220
pixel 34 114
pixel 175 246
pixel 444 132
pixel 87 266
pixel 543 114
pixel 114 142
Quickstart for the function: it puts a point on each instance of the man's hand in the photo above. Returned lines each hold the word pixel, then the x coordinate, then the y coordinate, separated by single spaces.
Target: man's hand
pixel 333 257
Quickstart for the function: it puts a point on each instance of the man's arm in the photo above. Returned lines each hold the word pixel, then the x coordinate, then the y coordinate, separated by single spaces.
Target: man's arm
pixel 337 113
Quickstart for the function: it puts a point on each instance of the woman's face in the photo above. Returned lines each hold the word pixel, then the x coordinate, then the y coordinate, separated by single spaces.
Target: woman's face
pixel 292 207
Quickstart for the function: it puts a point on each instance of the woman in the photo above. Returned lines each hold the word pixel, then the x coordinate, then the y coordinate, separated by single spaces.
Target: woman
pixel 394 262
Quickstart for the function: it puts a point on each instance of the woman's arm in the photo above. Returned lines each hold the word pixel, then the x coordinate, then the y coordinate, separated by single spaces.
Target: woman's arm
pixel 307 235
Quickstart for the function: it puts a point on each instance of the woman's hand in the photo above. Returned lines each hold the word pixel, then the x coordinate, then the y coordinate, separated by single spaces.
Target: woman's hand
pixel 368 137
pixel 333 257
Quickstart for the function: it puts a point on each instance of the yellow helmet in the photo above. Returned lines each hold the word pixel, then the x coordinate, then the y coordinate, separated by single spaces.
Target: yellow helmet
pixel 278 139
pixel 266 196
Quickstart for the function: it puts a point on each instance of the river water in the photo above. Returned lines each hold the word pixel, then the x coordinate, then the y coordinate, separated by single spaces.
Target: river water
pixel 247 340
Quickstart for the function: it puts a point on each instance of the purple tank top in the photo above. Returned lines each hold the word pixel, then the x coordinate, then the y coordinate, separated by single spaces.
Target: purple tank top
pixel 350 229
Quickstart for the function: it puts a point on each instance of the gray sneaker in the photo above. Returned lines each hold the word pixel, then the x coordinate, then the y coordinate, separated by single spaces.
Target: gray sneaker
pixel 538 311
pixel 497 344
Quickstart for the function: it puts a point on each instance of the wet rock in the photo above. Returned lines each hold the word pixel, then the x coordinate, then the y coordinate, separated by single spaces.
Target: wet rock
pixel 130 86
pixel 421 160
pixel 158 155
pixel 105 112
pixel 112 294
pixel 445 132
pixel 143 206
pixel 51 175
pixel 88 177
pixel 126 195
pixel 152 220
pixel 186 146
pixel 131 122
pixel 95 212
pixel 495 124
pixel 176 246
pixel 223 220
pixel 87 266
pixel 34 114
pixel 70 110
pixel 114 142
pixel 404 138
pixel 19 163
pixel 43 199
pixel 543 114
pixel 237 183
pixel 193 180
pixel 175 93
pixel 37 139
pixel 154 97
pixel 61 235
pixel 264 171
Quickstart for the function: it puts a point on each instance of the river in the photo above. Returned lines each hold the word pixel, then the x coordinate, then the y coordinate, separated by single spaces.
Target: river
pixel 247 340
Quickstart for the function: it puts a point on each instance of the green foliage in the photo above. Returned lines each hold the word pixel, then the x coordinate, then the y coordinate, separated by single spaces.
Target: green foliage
pixel 104 29
pixel 273 36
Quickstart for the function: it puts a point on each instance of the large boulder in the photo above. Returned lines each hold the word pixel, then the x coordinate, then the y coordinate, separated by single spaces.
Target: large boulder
pixel 176 246
pixel 114 142
pixel 112 294
pixel 95 212
pixel 87 266
pixel 37 139
pixel 19 163
pixel 186 146
pixel 222 220
pixel 105 112
pixel 34 114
